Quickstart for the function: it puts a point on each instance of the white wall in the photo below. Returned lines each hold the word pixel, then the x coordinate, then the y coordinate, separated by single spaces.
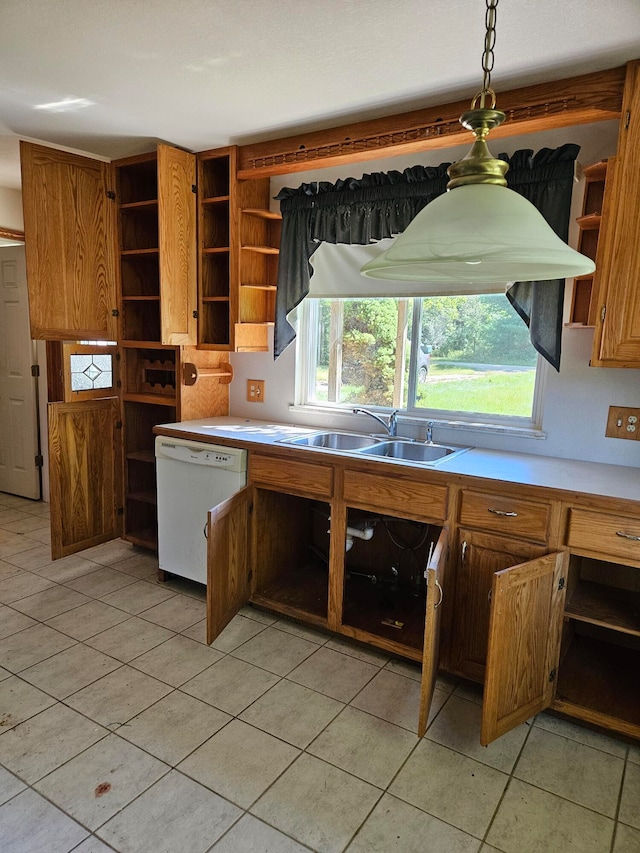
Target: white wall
pixel 576 400
pixel 11 209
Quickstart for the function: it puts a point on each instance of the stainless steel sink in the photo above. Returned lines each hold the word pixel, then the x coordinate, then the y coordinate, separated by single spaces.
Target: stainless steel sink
pixel 413 451
pixel 333 441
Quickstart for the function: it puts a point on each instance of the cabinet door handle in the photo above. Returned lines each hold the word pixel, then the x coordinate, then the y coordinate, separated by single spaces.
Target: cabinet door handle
pixel 502 512
pixel 628 536
pixel 435 606
pixel 463 552
pixel 490 597
pixel 204 530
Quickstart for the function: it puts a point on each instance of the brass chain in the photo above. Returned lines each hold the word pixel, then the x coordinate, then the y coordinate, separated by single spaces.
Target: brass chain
pixel 489 44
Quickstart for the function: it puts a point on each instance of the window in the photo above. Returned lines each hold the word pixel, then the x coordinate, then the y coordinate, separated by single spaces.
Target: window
pixel 449 357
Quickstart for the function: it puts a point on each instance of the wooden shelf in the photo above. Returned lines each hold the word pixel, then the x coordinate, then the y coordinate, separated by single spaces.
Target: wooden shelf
pixel 610 607
pixel 589 222
pixel 304 589
pixel 127 253
pixel 596 171
pixel 137 205
pixel 217 250
pixel 598 682
pixel 368 605
pixel 147 456
pixel 147 345
pixel 262 214
pixel 215 298
pixel 143 497
pixel 141 298
pixel 151 399
pixel 146 538
pixel 260 286
pixel 262 250
pixel 217 199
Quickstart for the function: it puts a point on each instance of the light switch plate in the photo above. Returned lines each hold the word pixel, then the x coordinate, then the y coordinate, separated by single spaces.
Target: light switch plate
pixel 255 390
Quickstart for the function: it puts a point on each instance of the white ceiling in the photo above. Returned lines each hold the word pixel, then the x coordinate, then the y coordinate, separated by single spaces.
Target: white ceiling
pixel 205 73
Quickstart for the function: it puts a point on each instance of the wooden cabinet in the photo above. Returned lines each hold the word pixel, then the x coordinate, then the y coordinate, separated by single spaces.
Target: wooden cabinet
pixel 617 335
pixel 296 544
pixel 238 245
pixel 84 449
pixel 70 225
pixel 112 255
pixel 480 555
pixel 598 675
pixel 496 531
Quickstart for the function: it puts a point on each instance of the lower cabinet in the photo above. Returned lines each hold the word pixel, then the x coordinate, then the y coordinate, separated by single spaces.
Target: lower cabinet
pixel 600 655
pixel 479 556
pixel 366 555
pixel 293 543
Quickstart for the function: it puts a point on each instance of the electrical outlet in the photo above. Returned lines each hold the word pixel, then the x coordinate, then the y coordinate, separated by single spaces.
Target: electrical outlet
pixel 623 423
pixel 255 390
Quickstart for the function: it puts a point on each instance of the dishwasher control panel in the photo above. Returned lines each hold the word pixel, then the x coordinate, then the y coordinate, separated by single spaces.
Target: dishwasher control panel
pixel 199 453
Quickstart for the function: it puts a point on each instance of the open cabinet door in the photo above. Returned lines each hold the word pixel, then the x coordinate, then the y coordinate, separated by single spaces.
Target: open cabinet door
pixel 228 577
pixel 178 249
pixel 527 603
pixel 435 575
pixel 85 474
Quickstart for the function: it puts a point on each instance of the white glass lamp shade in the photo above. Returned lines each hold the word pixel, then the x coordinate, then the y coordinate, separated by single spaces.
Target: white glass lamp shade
pixel 478 234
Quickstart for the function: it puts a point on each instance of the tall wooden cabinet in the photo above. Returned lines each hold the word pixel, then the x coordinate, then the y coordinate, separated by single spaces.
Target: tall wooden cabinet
pixel 617 336
pixel 113 256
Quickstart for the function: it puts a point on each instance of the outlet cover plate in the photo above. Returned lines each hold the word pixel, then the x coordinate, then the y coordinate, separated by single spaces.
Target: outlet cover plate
pixel 255 390
pixel 623 422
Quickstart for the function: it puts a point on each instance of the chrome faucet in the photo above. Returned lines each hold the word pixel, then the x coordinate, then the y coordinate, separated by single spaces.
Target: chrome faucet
pixel 391 425
pixel 429 438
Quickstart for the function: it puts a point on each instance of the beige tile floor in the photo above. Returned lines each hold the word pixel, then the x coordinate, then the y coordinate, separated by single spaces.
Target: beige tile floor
pixel 121 730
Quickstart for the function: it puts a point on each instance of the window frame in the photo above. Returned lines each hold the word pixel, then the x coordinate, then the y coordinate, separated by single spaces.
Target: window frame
pixel 305 365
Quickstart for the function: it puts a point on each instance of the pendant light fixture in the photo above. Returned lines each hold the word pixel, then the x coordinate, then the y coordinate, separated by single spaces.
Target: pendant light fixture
pixel 479 232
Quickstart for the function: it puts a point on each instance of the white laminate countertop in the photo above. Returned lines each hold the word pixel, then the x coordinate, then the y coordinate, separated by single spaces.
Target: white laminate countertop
pixel 591 478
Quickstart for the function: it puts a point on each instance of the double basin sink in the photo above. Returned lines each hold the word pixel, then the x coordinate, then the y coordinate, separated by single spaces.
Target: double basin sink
pixel 403 450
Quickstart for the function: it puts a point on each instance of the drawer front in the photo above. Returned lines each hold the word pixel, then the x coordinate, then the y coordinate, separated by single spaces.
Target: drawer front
pixel 513 515
pixel 286 475
pixel 614 535
pixel 395 495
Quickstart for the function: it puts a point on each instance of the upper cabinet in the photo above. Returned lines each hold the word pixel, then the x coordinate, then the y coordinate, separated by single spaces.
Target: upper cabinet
pixel 82 216
pixel 617 336
pixel 238 245
pixel 70 225
pixel 158 261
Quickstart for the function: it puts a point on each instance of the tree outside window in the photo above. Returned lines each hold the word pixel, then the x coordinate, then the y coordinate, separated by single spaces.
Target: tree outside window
pixel 440 354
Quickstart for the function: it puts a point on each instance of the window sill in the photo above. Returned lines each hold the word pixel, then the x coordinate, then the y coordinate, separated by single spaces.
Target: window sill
pixel 329 416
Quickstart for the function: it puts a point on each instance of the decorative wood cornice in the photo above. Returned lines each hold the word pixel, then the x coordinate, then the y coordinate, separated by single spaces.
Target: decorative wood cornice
pixel 576 100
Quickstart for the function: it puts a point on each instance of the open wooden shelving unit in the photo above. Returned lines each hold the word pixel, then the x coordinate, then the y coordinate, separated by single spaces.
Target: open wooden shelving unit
pixel 238 246
pixel 584 304
pixel 598 675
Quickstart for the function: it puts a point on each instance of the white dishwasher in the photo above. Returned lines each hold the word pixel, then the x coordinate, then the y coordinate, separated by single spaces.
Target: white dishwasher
pixel 192 478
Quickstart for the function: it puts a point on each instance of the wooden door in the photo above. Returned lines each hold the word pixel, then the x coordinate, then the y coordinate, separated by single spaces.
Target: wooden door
pixel 436 585
pixel 19 440
pixel 70 238
pixel 480 556
pixel 228 570
pixel 85 474
pixel 177 242
pixel 524 643
pixel 617 337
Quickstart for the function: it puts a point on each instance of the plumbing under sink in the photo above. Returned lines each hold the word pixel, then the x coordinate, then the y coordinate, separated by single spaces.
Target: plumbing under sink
pixel 334 440
pixel 413 451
